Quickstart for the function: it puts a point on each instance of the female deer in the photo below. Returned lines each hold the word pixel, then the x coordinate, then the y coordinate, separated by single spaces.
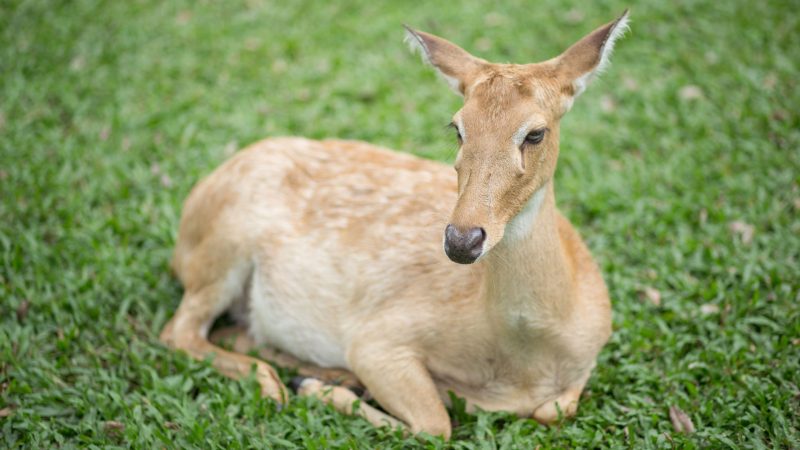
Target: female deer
pixel 331 252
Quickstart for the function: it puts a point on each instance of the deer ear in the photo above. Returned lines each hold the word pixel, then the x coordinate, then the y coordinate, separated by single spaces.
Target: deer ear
pixel 453 63
pixel 588 57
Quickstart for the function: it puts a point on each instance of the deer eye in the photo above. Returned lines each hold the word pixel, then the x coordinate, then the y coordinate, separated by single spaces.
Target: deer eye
pixel 458 133
pixel 535 136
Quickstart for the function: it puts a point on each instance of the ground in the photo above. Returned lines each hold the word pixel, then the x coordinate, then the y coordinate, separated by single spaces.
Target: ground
pixel 680 166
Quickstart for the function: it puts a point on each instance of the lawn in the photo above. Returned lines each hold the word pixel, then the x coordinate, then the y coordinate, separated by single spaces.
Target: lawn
pixel 680 166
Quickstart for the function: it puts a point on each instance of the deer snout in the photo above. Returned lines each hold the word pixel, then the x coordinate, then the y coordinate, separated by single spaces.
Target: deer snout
pixel 464 246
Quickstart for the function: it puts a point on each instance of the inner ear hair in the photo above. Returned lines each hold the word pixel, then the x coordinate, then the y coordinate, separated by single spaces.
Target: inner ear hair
pixel 588 57
pixel 454 64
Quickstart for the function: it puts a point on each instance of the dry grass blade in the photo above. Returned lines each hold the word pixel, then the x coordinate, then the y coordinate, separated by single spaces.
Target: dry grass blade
pixel 113 427
pixel 744 230
pixel 22 310
pixel 680 420
pixel 652 295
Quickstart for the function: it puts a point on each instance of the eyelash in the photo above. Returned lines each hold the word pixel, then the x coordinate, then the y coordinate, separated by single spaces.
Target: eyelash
pixel 534 137
pixel 458 133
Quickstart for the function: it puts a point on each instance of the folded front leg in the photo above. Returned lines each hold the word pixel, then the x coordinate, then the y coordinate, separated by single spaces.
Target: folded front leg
pixel 345 401
pixel 238 339
pixel 402 385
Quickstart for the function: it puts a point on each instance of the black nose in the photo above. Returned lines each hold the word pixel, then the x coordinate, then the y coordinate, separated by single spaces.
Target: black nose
pixel 463 247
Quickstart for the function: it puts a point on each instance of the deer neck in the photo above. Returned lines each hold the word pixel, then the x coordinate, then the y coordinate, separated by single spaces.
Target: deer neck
pixel 528 281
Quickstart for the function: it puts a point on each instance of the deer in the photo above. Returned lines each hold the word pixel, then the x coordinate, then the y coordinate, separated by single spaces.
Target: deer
pixel 363 267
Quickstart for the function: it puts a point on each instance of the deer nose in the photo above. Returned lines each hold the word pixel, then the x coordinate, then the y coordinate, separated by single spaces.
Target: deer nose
pixel 463 247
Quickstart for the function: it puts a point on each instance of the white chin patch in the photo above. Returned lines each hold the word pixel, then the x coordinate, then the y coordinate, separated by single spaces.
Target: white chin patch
pixel 520 226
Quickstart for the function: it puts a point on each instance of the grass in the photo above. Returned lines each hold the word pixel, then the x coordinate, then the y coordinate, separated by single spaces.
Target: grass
pixel 110 111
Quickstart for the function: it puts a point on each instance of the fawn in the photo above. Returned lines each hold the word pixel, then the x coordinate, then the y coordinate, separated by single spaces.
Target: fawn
pixel 329 255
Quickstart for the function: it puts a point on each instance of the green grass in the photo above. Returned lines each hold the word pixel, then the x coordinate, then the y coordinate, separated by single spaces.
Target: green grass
pixel 111 110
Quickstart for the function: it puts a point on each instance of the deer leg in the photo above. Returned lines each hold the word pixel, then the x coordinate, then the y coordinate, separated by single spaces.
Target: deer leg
pixel 188 329
pixel 566 404
pixel 345 401
pixel 402 385
pixel 313 381
pixel 239 341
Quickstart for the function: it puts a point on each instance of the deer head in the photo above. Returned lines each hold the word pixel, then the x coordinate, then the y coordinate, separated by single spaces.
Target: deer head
pixel 508 132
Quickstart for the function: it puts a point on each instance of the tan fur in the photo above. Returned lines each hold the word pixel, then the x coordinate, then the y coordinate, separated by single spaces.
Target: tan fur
pixel 331 252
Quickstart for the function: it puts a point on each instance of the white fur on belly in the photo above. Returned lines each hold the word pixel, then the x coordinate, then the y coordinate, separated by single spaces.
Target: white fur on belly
pixel 292 325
